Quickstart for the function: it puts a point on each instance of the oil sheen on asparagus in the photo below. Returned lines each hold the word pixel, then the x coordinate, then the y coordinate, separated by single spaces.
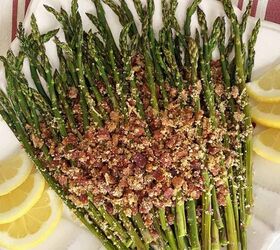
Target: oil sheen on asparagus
pixel 146 139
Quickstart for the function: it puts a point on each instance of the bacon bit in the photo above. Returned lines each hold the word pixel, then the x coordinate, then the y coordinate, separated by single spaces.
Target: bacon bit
pixel 221 195
pixel 83 199
pixel 109 208
pixel 138 131
pixel 196 165
pixel 195 194
pixel 149 168
pixel 219 89
pixel 73 93
pixel 146 103
pixel 156 123
pixel 90 134
pixel 181 154
pixel 70 139
pixel 109 179
pixel 166 160
pixel 127 171
pixel 157 135
pixel 199 115
pixel 62 180
pixel 173 92
pixel 214 170
pixel 140 160
pixel 145 206
pixel 115 116
pixel 148 220
pixel 177 182
pixel 76 200
pixel 188 113
pixel 103 135
pixel 184 95
pixel 171 142
pixel 82 180
pixel 158 175
pixel 131 102
pixel 77 109
pixel 123 182
pixel 111 126
pixel 46 133
pixel 115 139
pixel 213 150
pixel 168 193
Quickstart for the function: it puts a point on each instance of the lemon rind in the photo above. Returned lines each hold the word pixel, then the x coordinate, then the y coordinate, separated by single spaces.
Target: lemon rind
pixel 265 119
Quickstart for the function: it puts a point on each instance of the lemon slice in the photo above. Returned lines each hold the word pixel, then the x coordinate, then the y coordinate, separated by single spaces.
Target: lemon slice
pixel 267 144
pixel 14 171
pixel 266 88
pixel 266 114
pixel 20 200
pixel 35 226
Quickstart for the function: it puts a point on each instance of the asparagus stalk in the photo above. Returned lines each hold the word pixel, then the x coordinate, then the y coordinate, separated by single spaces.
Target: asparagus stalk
pixel 128 70
pixel 132 232
pixel 239 61
pixel 232 181
pixel 190 11
pixel 251 51
pixel 180 216
pixel 116 226
pixel 191 204
pixel 109 37
pixel 215 241
pixel 142 228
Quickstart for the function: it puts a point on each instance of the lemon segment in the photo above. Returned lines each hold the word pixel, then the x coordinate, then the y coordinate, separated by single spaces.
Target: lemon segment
pixel 34 226
pixel 266 114
pixel 20 200
pixel 14 171
pixel 267 144
pixel 267 87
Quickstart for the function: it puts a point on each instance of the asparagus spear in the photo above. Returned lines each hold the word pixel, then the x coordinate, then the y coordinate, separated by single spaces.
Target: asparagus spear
pixel 251 51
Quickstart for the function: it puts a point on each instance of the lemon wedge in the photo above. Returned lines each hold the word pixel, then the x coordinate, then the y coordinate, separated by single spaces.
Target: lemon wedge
pixel 20 200
pixel 14 171
pixel 267 144
pixel 266 114
pixel 34 226
pixel 267 87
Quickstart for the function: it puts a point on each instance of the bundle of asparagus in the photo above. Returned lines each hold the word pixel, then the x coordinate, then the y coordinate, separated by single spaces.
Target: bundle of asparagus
pixel 147 141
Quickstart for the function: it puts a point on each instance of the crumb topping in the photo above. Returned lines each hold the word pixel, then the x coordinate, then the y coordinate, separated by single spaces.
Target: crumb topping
pixel 137 164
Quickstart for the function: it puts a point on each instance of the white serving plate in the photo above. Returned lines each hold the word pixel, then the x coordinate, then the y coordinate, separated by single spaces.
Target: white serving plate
pixel 264 233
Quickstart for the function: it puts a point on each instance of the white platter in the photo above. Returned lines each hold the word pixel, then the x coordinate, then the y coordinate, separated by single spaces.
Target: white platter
pixel 264 233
